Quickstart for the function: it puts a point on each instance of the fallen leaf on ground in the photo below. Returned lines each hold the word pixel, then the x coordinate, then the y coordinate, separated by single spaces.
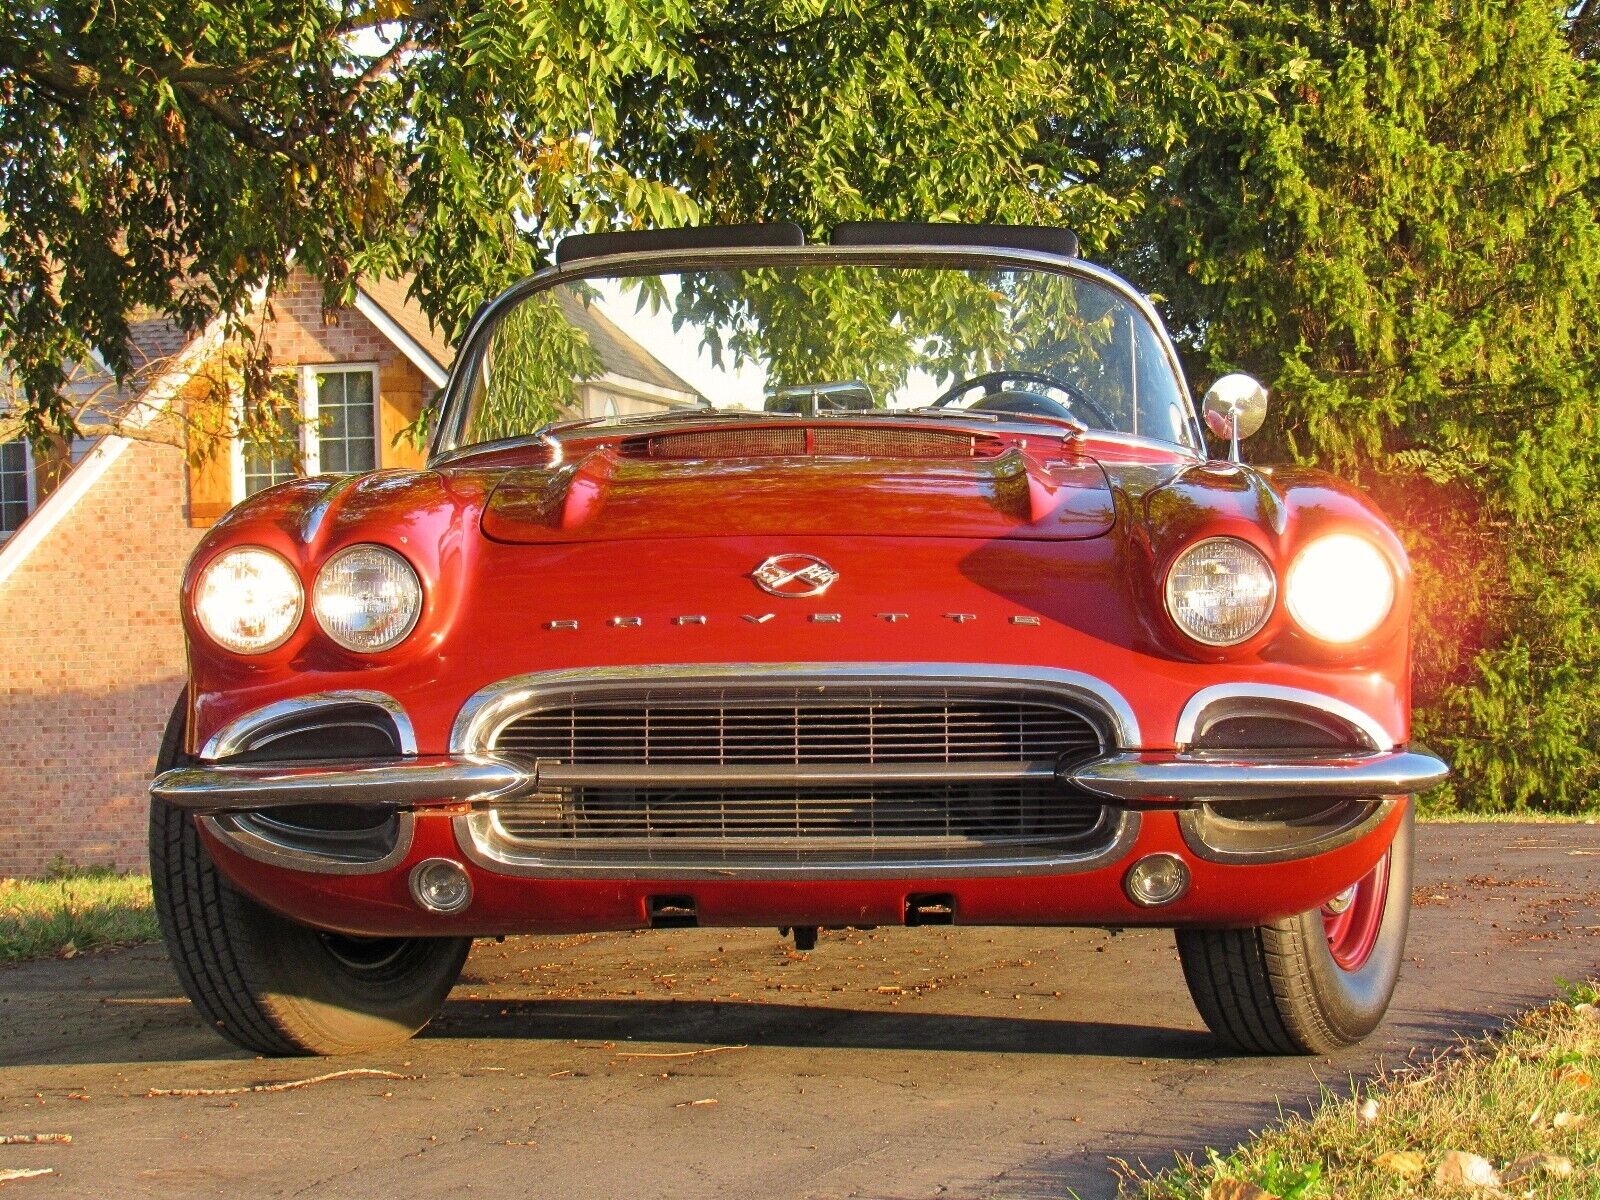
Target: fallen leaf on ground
pixel 1408 1164
pixel 35 1139
pixel 10 1173
pixel 287 1085
pixel 1575 1074
pixel 70 950
pixel 1556 1166
pixel 1463 1169
pixel 1567 1120
pixel 1237 1189
pixel 1368 1111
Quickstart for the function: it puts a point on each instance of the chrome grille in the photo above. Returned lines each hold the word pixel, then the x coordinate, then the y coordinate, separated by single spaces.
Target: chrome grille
pixel 698 739
pixel 879 729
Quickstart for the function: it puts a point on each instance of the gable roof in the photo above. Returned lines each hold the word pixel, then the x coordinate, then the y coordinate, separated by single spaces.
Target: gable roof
pixel 389 304
pixel 165 377
pixel 154 343
pixel 619 353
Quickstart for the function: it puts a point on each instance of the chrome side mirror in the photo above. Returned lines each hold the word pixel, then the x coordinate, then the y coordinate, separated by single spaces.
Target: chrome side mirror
pixel 1234 407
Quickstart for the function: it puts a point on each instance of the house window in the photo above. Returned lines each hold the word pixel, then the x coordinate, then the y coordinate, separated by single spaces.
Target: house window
pixel 338 435
pixel 343 415
pixel 260 468
pixel 16 486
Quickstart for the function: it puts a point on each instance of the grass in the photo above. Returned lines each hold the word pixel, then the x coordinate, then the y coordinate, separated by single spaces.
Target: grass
pixel 1500 1097
pixel 73 910
pixel 1519 817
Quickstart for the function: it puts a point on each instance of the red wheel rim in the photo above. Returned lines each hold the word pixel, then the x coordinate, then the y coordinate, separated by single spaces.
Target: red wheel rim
pixel 1353 918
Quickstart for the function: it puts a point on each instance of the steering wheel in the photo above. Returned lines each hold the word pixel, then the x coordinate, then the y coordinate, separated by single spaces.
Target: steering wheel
pixel 1041 405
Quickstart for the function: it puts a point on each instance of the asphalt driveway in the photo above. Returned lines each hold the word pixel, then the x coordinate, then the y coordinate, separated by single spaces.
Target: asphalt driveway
pixel 897 1063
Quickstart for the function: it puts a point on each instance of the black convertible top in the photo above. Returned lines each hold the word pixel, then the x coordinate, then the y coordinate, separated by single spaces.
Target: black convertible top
pixel 787 234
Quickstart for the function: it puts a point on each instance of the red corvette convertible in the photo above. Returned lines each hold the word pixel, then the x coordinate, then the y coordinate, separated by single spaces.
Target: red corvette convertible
pixel 931 609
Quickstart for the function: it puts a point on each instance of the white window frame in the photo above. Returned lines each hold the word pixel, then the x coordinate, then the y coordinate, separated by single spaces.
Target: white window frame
pixel 31 474
pixel 309 444
pixel 310 450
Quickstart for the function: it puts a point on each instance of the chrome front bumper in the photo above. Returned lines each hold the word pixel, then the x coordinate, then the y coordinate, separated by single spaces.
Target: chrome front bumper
pixel 1134 779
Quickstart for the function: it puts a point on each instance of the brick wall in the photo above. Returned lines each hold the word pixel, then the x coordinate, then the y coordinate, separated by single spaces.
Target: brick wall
pixel 91 650
pixel 91 660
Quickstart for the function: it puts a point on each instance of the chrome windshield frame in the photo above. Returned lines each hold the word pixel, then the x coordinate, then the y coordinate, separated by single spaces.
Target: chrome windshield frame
pixel 443 443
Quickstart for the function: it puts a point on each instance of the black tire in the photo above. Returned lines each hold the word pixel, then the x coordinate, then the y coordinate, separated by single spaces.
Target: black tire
pixel 1276 989
pixel 271 985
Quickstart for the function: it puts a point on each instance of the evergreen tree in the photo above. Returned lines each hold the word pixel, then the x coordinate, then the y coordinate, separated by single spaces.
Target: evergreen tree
pixel 1405 246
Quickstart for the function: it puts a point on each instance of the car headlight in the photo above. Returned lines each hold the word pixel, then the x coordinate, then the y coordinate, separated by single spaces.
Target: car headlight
pixel 367 598
pixel 1220 591
pixel 1339 588
pixel 248 600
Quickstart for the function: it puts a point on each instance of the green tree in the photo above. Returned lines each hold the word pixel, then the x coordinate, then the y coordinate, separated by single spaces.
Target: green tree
pixel 1405 244
pixel 174 157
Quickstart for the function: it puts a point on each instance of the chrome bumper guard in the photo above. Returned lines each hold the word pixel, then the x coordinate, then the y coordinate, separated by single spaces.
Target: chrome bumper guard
pixel 487 780
pixel 1223 776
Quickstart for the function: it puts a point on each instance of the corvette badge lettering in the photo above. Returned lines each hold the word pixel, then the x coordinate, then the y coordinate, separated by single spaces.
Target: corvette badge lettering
pixel 794 576
pixel 817 618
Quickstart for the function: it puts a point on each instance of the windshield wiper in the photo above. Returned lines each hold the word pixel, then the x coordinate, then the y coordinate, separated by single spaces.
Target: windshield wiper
pixel 928 410
pixel 675 414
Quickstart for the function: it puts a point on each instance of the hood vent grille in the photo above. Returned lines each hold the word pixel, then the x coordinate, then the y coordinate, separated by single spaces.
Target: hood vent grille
pixel 844 441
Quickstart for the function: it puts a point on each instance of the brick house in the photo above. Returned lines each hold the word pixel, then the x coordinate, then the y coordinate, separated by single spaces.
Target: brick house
pixel 94 537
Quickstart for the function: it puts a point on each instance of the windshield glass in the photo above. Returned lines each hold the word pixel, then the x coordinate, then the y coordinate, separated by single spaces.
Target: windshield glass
pixel 823 339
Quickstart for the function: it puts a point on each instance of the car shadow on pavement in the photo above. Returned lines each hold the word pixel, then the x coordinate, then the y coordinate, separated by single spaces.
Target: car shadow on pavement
pixel 809 1026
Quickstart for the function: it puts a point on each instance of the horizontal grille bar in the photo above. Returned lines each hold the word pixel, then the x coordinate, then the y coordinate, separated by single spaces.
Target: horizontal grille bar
pixel 757 775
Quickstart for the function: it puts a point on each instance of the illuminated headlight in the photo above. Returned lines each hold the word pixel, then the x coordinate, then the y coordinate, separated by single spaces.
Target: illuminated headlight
pixel 1339 588
pixel 1220 591
pixel 248 600
pixel 367 598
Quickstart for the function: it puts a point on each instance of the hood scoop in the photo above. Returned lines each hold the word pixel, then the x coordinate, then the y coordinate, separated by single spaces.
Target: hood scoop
pixel 616 494
pixel 791 441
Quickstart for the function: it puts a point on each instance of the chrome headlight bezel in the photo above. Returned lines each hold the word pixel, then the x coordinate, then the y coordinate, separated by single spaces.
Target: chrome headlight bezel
pixel 1233 545
pixel 1360 570
pixel 404 575
pixel 206 598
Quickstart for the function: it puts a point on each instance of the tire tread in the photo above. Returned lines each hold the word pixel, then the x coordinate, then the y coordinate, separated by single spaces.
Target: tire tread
pixel 193 908
pixel 1258 988
pixel 230 953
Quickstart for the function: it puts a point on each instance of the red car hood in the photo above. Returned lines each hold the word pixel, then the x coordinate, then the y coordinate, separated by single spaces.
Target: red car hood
pixel 606 496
